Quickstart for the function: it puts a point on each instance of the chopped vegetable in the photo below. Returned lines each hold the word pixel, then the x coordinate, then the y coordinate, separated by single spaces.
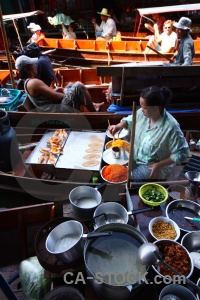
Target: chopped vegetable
pixel 153 194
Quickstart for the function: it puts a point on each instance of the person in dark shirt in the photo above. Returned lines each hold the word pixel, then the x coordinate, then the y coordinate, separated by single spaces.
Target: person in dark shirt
pixel 45 70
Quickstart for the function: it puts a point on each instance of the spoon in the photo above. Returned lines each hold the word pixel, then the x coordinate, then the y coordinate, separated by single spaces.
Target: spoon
pixel 148 255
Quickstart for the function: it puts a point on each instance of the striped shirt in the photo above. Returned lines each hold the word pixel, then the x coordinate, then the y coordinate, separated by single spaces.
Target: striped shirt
pixel 165 139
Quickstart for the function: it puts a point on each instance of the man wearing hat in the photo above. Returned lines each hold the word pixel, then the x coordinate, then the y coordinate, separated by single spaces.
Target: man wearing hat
pixel 107 29
pixel 185 54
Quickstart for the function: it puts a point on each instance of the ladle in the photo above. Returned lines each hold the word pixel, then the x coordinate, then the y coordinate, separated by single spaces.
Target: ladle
pixel 194 179
pixel 148 255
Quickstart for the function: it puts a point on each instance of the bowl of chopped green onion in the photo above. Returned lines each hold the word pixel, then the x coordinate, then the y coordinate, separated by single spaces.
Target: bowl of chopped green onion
pixel 153 194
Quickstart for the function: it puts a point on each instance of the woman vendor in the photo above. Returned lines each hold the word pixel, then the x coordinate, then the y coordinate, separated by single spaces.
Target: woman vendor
pixel 159 142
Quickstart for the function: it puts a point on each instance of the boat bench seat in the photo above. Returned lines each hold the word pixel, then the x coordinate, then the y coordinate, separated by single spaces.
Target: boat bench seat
pixel 128 81
pixel 19 226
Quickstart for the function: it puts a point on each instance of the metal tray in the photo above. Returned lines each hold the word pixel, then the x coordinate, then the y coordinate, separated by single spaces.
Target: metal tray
pixel 36 153
pixel 75 150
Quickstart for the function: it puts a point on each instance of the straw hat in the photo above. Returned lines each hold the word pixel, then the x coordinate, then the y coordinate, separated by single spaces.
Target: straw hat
pixel 104 12
pixel 184 23
pixel 31 26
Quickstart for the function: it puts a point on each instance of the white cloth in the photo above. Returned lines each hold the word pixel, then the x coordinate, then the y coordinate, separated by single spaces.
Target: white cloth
pixel 59 19
pixel 107 28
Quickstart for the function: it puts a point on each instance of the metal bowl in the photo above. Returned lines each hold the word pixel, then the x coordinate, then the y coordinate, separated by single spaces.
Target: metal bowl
pixel 178 209
pixel 177 191
pixel 191 241
pixel 176 291
pixel 170 242
pixel 114 182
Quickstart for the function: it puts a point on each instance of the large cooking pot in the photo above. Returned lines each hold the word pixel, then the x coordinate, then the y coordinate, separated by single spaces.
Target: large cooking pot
pixel 66 240
pixel 112 265
pixel 84 200
pixel 113 212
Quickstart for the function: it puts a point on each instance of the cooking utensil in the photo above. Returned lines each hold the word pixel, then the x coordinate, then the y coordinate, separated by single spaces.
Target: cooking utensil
pixel 113 212
pixel 176 292
pixel 124 153
pixel 148 255
pixel 51 262
pixel 116 275
pixel 178 209
pixel 193 219
pixel 66 240
pixel 194 178
pixel 84 200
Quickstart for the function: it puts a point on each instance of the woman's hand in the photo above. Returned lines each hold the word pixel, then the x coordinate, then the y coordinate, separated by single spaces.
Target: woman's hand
pixel 155 168
pixel 114 128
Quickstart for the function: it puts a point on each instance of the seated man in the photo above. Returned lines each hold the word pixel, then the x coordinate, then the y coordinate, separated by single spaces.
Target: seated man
pixel 165 42
pixel 107 29
pixel 46 99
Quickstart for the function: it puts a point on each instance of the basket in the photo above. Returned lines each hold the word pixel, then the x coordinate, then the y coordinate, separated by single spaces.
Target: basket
pixel 15 94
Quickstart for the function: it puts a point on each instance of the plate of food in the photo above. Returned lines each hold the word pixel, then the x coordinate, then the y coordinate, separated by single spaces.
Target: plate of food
pixel 109 158
pixel 119 134
pixel 114 173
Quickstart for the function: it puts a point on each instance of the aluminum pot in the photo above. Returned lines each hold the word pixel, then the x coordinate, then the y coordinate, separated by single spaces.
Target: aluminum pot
pixel 84 200
pixel 113 212
pixel 112 265
pixel 67 240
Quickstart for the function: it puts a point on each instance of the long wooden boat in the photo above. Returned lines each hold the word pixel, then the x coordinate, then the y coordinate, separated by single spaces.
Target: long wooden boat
pixel 92 52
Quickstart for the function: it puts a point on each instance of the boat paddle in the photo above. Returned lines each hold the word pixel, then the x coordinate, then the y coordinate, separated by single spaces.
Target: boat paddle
pixel 170 60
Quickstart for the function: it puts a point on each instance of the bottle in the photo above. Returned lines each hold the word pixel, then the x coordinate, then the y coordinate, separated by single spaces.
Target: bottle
pixel 9 151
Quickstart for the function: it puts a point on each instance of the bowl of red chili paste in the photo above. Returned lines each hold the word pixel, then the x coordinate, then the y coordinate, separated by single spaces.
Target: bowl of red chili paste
pixel 175 255
pixel 114 173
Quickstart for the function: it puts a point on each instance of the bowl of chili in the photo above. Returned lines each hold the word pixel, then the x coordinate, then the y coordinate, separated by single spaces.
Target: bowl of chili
pixel 114 173
pixel 153 194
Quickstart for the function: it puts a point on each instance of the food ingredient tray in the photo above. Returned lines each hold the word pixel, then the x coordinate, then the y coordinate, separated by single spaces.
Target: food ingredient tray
pixel 80 148
pixel 36 153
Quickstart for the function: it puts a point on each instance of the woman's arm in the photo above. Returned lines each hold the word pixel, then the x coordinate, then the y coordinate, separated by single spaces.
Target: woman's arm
pixel 114 128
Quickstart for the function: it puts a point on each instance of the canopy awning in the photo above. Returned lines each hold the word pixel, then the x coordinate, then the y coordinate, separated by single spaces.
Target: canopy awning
pixel 22 15
pixel 165 9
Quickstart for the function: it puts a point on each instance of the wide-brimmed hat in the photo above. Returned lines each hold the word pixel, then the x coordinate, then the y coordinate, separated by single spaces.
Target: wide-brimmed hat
pixel 36 27
pixel 104 12
pixel 24 60
pixel 184 23
pixel 31 26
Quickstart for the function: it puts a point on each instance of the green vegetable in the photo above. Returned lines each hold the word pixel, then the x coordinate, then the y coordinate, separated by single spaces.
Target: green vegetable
pixel 33 281
pixel 153 194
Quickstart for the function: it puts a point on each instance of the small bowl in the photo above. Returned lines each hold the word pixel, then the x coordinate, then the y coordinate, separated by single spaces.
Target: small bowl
pixel 173 258
pixel 164 219
pixel 114 182
pixel 126 144
pixel 176 291
pixel 177 191
pixel 145 187
pixel 191 241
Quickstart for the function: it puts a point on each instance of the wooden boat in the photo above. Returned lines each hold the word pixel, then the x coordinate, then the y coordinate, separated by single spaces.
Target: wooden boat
pixel 92 52
pixel 30 127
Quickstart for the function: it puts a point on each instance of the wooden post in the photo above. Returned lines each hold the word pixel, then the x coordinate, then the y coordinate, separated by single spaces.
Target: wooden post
pixel 7 49
pixel 131 157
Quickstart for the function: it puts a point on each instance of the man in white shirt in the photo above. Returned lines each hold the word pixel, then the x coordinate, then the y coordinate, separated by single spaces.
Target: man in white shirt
pixel 165 42
pixel 107 29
